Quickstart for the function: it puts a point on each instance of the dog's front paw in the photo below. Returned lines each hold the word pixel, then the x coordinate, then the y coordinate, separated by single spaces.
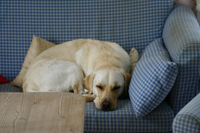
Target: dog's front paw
pixel 82 92
pixel 89 98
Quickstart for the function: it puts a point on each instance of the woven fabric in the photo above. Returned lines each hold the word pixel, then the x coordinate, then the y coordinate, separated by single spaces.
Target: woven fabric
pixel 130 23
pixel 188 119
pixel 181 36
pixel 7 87
pixel 123 119
pixel 152 78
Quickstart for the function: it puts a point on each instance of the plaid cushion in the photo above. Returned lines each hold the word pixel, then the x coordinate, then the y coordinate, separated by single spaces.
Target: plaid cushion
pixel 181 36
pixel 7 87
pixel 152 79
pixel 124 120
pixel 188 119
pixel 130 23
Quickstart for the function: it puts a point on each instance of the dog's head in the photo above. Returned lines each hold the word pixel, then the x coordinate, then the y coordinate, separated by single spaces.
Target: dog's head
pixel 107 85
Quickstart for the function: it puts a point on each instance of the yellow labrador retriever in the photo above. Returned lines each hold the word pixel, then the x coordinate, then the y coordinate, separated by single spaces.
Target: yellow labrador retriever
pixel 104 65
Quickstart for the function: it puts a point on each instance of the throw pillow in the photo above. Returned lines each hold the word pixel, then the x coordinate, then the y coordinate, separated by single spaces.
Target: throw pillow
pixel 37 46
pixel 3 80
pixel 152 79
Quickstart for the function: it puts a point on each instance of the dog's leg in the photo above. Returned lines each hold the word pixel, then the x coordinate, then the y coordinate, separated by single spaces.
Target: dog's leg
pixel 78 90
pixel 89 98
pixel 88 82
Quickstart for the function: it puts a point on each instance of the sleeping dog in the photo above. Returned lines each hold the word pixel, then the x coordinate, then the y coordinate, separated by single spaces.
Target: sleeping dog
pixel 100 67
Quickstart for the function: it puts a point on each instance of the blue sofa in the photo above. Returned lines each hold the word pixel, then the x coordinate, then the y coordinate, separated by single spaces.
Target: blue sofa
pixel 188 119
pixel 131 23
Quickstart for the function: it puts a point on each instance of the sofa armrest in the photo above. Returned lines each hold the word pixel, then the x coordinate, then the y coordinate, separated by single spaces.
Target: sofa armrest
pixel 181 30
pixel 188 119
pixel 181 36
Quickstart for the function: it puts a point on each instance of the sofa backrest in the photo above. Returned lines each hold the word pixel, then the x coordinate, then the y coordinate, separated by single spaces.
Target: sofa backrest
pixel 130 23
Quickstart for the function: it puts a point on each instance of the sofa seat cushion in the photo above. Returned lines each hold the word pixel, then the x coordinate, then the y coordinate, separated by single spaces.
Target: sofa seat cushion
pixel 7 87
pixel 123 119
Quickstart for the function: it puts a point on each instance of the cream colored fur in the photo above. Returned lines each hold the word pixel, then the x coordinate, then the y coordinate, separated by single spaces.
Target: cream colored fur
pixel 101 62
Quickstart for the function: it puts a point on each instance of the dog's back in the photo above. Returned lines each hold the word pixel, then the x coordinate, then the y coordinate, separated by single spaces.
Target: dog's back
pixel 86 52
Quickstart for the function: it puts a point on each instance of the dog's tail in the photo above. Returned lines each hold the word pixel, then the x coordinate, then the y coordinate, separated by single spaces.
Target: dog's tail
pixel 89 98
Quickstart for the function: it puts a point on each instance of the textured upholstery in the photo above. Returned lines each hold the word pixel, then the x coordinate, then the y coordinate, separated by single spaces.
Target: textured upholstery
pixel 131 23
pixel 188 119
pixel 123 119
pixel 9 88
pixel 182 39
pixel 152 78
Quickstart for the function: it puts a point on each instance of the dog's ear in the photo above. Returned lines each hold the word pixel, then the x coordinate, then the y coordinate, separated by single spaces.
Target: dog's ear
pixel 88 82
pixel 127 78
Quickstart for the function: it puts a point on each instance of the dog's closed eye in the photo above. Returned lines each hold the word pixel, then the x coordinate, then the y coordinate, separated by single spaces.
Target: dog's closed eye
pixel 116 88
pixel 100 87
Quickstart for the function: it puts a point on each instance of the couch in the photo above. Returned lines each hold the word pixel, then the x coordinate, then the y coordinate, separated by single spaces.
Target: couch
pixel 165 36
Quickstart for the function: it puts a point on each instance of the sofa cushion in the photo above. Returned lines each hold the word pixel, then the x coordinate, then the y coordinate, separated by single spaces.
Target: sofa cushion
pixel 38 45
pixel 152 79
pixel 123 119
pixel 130 23
pixel 7 87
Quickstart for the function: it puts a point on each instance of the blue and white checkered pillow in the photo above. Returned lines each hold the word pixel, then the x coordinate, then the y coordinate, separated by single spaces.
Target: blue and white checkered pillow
pixel 152 79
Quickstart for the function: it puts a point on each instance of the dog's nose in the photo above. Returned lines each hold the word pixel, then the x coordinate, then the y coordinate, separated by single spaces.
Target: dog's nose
pixel 106 105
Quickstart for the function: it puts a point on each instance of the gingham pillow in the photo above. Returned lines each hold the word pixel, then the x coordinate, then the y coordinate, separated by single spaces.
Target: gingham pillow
pixel 152 79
